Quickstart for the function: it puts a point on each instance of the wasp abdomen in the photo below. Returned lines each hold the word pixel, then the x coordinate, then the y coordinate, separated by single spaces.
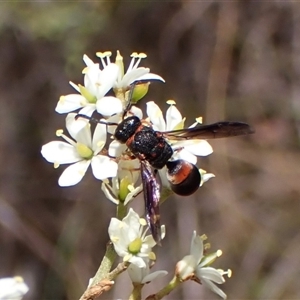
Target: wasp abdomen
pixel 183 176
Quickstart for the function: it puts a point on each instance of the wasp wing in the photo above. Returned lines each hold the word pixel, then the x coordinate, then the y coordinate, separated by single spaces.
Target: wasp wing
pixel 151 196
pixel 210 131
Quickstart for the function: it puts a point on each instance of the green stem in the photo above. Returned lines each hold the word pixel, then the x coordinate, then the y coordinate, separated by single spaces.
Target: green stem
pixel 110 254
pixel 166 290
pixel 106 264
pixel 136 292
pixel 121 211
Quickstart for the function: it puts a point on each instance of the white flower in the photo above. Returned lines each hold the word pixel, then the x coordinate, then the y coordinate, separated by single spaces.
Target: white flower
pixel 133 73
pixel 143 275
pixel 122 186
pixel 92 95
pixel 81 153
pixel 195 266
pixel 12 288
pixel 130 240
pixel 189 149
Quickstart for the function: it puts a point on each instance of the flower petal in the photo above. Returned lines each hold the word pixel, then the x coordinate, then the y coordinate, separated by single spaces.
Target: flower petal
pixel 151 76
pixel 173 118
pixel 157 274
pixel 115 231
pixel 107 78
pixel 196 147
pixel 186 267
pixel 149 240
pixel 211 274
pixel 103 167
pixel 79 129
pixel 133 221
pixel 70 103
pixel 213 288
pixel 205 176
pixel 87 61
pixel 138 261
pixel 136 112
pixel 88 109
pixel 156 116
pixel 116 149
pixel 196 248
pixel 114 119
pixel 108 106
pixel 105 187
pixel 60 153
pixel 132 76
pixel 129 168
pixel 74 173
pixel 136 274
pixel 185 155
pixel 130 196
pixel 99 138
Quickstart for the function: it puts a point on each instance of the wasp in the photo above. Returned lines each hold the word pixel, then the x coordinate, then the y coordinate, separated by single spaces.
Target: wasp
pixel 154 152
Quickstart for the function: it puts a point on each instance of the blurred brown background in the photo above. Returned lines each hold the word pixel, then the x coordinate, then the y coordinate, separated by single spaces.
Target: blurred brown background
pixel 222 60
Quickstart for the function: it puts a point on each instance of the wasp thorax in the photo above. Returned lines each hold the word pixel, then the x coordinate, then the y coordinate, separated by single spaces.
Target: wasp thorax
pixel 127 129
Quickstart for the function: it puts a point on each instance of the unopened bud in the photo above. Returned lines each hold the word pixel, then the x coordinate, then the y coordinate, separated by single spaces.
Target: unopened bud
pixel 139 91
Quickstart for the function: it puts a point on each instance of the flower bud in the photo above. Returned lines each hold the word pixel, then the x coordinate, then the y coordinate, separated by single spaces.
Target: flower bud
pixel 139 91
pixel 124 191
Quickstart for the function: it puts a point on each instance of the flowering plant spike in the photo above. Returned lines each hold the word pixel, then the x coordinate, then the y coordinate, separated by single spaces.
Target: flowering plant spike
pixel 125 151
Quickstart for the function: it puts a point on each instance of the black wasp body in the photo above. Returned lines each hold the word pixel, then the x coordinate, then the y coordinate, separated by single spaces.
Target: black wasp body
pixel 151 146
pixel 154 152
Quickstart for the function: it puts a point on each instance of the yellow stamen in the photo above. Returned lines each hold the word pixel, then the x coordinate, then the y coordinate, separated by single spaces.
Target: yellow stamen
pixel 171 102
pixel 143 222
pixel 229 273
pixel 103 54
pixel 199 120
pixel 152 256
pixel 203 237
pixel 142 55
pixel 59 132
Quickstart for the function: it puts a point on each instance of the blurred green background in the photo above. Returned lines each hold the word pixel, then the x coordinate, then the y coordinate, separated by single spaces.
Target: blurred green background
pixel 223 60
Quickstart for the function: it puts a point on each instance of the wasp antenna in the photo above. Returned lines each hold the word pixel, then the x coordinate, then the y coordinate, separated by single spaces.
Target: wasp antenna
pixel 82 116
pixel 128 105
pixel 94 120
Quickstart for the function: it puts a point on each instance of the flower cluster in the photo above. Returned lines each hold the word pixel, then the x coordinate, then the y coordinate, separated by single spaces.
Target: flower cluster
pixel 85 149
pixel 110 92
